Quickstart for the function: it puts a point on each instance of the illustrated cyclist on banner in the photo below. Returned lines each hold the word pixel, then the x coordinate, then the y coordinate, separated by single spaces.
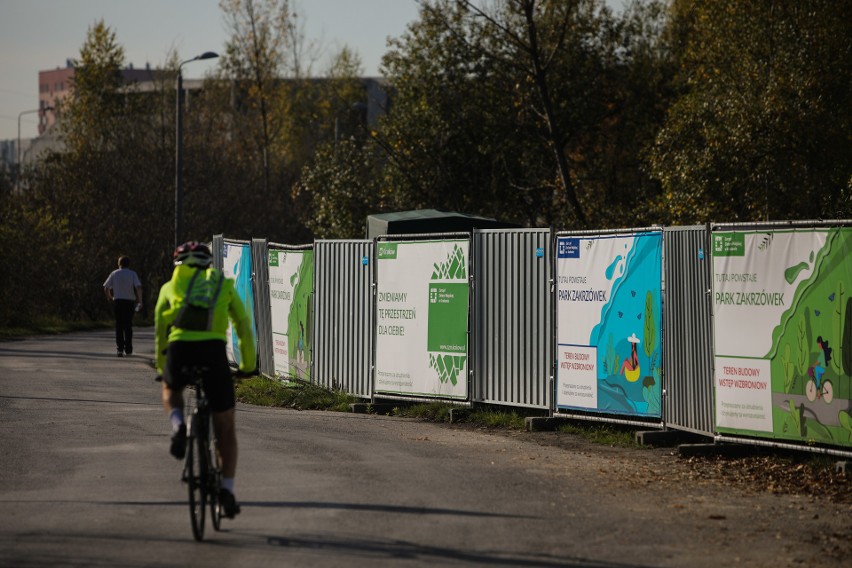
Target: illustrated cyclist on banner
pixel 191 319
pixel 817 370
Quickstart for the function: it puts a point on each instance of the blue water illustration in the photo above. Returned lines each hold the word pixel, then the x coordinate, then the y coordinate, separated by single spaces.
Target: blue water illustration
pixel 243 288
pixel 624 386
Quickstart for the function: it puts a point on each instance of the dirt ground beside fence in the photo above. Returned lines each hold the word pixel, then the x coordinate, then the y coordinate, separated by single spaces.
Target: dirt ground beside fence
pixel 774 487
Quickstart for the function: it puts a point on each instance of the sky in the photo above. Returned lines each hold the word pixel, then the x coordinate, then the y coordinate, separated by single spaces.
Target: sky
pixel 40 35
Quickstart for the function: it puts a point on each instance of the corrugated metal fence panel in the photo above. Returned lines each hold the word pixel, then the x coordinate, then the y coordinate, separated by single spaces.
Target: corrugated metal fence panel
pixel 262 310
pixel 218 249
pixel 688 341
pixel 512 317
pixel 343 334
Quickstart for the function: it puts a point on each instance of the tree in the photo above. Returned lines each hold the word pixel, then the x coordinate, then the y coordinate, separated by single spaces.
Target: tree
pixel 487 121
pixel 650 336
pixel 109 183
pixel 760 127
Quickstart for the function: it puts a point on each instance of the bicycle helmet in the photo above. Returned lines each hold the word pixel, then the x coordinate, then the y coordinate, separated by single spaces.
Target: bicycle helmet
pixel 193 253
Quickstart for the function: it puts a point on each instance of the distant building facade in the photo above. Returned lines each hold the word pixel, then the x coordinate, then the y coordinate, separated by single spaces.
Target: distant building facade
pixel 56 85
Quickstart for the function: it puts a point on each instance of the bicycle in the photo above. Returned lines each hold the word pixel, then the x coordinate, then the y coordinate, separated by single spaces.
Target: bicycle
pixel 824 390
pixel 201 472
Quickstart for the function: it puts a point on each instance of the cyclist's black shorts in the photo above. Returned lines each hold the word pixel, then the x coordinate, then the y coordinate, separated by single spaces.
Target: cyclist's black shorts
pixel 182 356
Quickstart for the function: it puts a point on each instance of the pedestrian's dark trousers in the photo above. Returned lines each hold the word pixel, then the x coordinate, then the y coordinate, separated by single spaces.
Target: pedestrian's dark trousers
pixel 124 325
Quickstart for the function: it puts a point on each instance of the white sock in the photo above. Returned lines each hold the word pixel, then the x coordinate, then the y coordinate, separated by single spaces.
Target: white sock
pixel 228 483
pixel 176 418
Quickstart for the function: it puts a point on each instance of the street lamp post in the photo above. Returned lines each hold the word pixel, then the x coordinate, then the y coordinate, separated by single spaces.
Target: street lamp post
pixel 179 146
pixel 37 110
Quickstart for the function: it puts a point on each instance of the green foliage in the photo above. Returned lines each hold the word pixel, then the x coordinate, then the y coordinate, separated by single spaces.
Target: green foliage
pixel 846 346
pixel 263 391
pixel 478 127
pixel 798 419
pixel 845 419
pixel 497 419
pixel 760 126
pixel 650 337
pixel 789 368
pixel 436 411
pixel 612 360
pixel 838 314
pixel 804 350
pixel 344 188
pixel 652 394
pixel 602 433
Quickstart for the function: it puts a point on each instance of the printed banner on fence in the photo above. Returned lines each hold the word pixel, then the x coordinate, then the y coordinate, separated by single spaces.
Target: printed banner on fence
pixel 422 306
pixel 783 333
pixel 236 259
pixel 291 282
pixel 609 323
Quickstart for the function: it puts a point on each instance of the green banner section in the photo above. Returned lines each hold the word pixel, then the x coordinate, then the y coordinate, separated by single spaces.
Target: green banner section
pixel 729 244
pixel 387 251
pixel 448 304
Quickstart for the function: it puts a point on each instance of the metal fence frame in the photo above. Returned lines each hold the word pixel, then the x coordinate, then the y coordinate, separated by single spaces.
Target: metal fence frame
pixel 262 307
pixel 803 445
pixel 599 416
pixel 343 330
pixel 688 343
pixel 471 299
pixel 512 321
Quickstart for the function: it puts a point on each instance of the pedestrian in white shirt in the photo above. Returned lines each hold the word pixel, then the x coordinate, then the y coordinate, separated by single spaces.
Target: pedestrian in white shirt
pixel 124 289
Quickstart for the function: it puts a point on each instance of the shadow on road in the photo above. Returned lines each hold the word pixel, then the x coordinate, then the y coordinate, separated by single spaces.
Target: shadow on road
pixel 402 550
pixel 377 508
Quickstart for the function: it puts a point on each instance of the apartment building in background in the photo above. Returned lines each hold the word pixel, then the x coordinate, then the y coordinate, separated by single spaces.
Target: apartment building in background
pixel 55 85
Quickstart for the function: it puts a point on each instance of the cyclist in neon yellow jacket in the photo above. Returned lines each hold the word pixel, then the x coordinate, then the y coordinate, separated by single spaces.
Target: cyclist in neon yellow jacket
pixel 191 320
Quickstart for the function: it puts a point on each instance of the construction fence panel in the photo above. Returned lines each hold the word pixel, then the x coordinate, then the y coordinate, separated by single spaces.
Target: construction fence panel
pixel 236 259
pixel 422 307
pixel 343 332
pixel 262 315
pixel 688 341
pixel 291 299
pixel 608 305
pixel 512 321
pixel 782 316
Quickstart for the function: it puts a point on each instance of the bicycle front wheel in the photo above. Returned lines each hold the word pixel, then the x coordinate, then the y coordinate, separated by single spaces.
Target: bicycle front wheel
pixel 196 476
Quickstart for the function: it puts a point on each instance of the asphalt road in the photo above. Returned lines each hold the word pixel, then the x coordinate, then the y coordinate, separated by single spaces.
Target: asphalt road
pixel 86 480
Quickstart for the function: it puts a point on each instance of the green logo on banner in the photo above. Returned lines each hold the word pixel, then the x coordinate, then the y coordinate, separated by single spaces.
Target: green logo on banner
pixel 449 367
pixel 273 258
pixel 448 304
pixel 448 310
pixel 729 244
pixel 387 250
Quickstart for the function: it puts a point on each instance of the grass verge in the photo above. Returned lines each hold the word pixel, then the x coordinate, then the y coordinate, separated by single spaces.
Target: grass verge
pixel 603 433
pixel 262 391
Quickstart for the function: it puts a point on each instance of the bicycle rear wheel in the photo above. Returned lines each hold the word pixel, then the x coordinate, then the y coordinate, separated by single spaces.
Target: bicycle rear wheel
pixel 196 469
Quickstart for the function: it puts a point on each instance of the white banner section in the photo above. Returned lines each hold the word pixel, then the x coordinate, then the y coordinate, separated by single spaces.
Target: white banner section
pixel 422 305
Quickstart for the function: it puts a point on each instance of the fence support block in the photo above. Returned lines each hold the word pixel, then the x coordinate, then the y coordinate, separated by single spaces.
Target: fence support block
pixel 665 437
